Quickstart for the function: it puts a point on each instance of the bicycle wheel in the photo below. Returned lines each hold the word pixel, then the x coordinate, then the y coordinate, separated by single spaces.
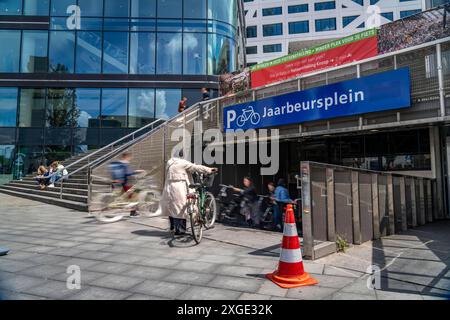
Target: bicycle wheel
pixel 196 223
pixel 210 210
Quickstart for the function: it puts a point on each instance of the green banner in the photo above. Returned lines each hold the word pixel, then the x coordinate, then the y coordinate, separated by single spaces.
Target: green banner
pixel 314 50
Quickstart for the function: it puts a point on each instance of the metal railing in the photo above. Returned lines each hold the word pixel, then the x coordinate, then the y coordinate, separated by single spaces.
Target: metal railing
pixel 357 205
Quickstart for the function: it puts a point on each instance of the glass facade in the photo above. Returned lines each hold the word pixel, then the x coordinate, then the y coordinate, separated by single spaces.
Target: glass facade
pixel 87 72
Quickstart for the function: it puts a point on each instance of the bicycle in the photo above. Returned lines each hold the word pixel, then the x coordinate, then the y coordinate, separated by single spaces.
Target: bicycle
pixel 201 207
pixel 110 207
pixel 248 114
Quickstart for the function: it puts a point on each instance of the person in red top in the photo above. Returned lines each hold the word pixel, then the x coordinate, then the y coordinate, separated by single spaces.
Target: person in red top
pixel 182 105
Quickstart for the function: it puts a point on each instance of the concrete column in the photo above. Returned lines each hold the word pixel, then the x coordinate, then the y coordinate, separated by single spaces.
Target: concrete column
pixel 403 204
pixel 413 203
pixel 357 239
pixel 436 167
pixel 375 207
pixel 390 199
pixel 331 205
pixel 308 239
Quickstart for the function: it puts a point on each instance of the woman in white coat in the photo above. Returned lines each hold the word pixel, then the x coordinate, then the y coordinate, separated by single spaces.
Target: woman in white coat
pixel 178 178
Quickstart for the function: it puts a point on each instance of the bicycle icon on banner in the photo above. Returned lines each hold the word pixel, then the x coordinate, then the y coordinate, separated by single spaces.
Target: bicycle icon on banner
pixel 248 114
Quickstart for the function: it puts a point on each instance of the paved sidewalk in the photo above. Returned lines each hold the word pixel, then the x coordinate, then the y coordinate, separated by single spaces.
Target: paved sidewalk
pixel 136 259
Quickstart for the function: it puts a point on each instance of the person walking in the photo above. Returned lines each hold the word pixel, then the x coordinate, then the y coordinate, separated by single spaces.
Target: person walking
pixel 182 105
pixel 174 199
pixel 205 94
pixel 120 173
pixel 250 209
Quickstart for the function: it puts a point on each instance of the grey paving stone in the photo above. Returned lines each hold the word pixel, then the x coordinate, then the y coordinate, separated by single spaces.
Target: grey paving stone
pixel 96 293
pixel 20 282
pixel 188 277
pixel 163 289
pixel 14 266
pixel 239 271
pixel 8 295
pixel 110 267
pixel 313 268
pixel 51 289
pixel 82 263
pixel 271 289
pixel 332 281
pixel 124 258
pixel 43 271
pixel 162 263
pixel 253 296
pixel 351 296
pixel 386 295
pixel 237 283
pixel 91 246
pixel 197 266
pixel 205 293
pixel 217 259
pixel 311 293
pixel 143 297
pixel 86 276
pixel 118 282
pixel 148 272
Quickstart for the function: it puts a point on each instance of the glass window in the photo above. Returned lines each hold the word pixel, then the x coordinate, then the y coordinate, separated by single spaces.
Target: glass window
pixel 270 48
pixel 143 8
pixel 142 107
pixel 272 11
pixel 6 163
pixel 194 9
pixel 299 8
pixel 298 27
pixel 194 53
pixel 32 107
pixel 8 107
pixel 275 29
pixel 221 55
pixel 36 7
pixel 225 11
pixel 59 7
pixel 194 25
pixel 34 51
pixel 9 55
pixel 169 9
pixel 328 5
pixel 114 108
pixel 170 25
pixel 252 32
pixel 143 25
pixel 91 8
pixel 116 24
pixel 117 8
pixel 87 102
pixel 61 111
pixel 61 51
pixel 115 52
pixel 88 52
pixel 327 24
pixel 11 7
pixel 142 53
pixel 167 103
pixel 169 53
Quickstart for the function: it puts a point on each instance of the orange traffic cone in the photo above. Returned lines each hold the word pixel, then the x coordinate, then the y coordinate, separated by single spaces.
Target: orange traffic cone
pixel 290 273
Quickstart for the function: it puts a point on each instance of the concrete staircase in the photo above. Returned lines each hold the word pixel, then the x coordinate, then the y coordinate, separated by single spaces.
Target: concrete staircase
pixel 74 193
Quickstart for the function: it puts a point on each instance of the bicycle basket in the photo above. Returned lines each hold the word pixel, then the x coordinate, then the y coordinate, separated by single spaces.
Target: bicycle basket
pixel 209 180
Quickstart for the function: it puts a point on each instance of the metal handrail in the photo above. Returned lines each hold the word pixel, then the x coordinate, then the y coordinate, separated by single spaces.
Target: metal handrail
pixel 133 141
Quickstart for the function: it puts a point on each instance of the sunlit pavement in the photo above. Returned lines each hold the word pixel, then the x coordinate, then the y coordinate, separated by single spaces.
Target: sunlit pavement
pixel 138 259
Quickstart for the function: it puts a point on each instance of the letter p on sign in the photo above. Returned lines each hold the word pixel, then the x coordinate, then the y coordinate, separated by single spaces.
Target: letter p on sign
pixel 231 116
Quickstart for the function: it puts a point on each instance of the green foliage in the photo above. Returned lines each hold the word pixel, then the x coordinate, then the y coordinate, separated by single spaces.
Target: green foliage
pixel 341 244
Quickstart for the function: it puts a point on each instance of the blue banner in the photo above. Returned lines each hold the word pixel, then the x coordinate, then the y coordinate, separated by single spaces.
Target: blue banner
pixel 380 92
